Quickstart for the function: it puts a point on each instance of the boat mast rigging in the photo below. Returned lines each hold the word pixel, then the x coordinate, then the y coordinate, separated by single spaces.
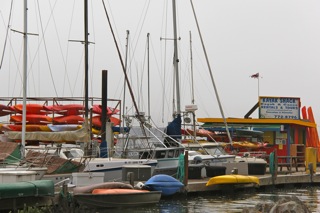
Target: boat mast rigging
pixel 86 67
pixel 139 116
pixel 211 76
pixel 25 76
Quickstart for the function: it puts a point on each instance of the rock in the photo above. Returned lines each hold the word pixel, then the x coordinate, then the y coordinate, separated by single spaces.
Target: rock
pixel 290 205
pixel 283 205
pixel 259 208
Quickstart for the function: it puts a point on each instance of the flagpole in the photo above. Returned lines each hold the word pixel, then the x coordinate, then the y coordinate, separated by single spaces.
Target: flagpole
pixel 257 76
pixel 258 87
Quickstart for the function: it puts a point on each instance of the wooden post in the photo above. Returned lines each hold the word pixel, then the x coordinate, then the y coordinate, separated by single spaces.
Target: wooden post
pixel 186 172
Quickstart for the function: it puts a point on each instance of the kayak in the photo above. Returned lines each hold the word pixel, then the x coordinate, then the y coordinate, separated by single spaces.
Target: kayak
pixel 232 179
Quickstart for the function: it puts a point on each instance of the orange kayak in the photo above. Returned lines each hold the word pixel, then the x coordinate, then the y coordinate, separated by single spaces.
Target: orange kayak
pixel 31 108
pixel 97 109
pixel 68 109
pixel 69 119
pixel 31 119
pixel 96 121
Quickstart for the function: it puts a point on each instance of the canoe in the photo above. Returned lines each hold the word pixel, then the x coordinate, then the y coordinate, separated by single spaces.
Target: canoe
pixel 31 119
pixel 6 110
pixel 233 179
pixel 68 109
pixel 164 183
pixel 31 109
pixel 68 119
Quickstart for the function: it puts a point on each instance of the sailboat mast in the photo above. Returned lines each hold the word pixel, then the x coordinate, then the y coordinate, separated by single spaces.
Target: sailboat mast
pixel 149 115
pixel 176 58
pixel 192 92
pixel 191 62
pixel 25 73
pixel 124 82
pixel 86 65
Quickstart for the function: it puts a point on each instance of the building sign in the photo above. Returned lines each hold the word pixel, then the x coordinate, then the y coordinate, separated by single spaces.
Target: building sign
pixel 281 138
pixel 279 107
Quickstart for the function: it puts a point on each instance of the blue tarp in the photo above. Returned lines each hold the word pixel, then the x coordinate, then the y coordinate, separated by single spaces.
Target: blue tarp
pixel 174 128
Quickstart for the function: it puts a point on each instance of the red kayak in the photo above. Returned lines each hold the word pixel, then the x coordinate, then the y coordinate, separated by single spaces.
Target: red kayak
pixel 69 119
pixel 68 109
pixel 96 121
pixel 6 110
pixel 31 119
pixel 31 109
pixel 97 109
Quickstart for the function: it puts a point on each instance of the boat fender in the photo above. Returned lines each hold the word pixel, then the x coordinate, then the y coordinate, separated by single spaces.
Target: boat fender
pixel 139 185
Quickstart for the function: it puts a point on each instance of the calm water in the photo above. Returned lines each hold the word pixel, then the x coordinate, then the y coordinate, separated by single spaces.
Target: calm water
pixel 224 203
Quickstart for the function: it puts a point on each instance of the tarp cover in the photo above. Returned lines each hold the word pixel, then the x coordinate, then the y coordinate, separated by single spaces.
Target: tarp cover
pixel 77 135
pixel 174 128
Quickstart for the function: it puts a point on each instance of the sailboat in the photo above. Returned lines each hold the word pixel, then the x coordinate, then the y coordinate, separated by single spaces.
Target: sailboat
pixel 20 165
pixel 254 165
pixel 143 144
pixel 40 165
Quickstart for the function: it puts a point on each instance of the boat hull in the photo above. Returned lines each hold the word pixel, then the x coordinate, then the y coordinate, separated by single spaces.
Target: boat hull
pixel 36 188
pixel 113 167
pixel 118 200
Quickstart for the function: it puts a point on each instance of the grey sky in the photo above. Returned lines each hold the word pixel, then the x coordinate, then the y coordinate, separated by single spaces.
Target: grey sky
pixel 279 39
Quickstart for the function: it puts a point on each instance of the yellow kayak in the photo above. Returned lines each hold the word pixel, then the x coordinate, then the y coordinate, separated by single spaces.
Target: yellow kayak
pixel 232 179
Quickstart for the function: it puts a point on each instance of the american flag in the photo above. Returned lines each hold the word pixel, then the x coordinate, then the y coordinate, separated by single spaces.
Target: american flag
pixel 256 75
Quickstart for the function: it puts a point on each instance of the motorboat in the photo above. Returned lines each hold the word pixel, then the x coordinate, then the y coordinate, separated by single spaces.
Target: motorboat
pixel 112 195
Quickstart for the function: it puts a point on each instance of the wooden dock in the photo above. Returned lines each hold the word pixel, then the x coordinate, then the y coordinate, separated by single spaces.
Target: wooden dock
pixel 282 178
